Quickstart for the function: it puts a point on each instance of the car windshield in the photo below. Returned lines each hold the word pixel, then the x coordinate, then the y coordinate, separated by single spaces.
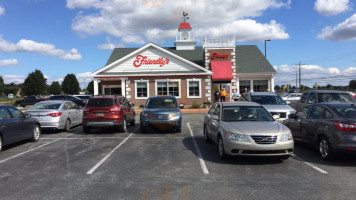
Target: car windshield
pixel 335 97
pixel 46 106
pixel 83 97
pixel 273 100
pixel 245 113
pixel 101 102
pixel 346 111
pixel 161 103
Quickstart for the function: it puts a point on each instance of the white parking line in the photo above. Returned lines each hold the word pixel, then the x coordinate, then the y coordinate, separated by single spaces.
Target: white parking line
pixel 136 137
pixel 311 165
pixel 2 161
pixel 201 160
pixel 109 154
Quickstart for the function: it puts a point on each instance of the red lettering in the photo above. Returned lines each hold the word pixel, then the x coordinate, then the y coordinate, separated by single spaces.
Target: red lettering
pixel 142 60
pixel 216 55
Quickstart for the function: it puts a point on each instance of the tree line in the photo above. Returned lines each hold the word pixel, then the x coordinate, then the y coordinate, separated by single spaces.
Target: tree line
pixel 36 84
pixel 287 88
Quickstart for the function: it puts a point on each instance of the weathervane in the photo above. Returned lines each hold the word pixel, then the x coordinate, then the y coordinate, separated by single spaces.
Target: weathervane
pixel 185 16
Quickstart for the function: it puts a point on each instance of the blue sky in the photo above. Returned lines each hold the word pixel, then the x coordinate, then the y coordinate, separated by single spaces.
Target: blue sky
pixel 77 36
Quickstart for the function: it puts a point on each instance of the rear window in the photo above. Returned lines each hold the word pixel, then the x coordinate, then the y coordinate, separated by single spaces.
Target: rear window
pixel 45 106
pixel 101 102
pixel 347 111
pixel 335 97
pixel 271 100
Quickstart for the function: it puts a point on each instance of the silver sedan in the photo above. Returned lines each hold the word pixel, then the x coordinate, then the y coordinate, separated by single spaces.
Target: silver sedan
pixel 246 129
pixel 56 114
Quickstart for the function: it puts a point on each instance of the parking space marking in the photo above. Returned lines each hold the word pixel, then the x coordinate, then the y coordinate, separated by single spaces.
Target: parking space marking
pixel 311 165
pixel 110 153
pixel 2 161
pixel 137 137
pixel 201 160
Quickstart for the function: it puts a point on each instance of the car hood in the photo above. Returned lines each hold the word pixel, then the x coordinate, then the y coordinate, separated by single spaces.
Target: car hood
pixel 256 128
pixel 278 108
pixel 160 110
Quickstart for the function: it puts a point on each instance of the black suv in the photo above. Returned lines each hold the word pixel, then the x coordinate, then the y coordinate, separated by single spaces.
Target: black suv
pixel 72 98
pixel 322 96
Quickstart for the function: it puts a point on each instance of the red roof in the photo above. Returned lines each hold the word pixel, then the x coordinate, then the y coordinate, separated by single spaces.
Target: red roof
pixel 184 25
pixel 222 70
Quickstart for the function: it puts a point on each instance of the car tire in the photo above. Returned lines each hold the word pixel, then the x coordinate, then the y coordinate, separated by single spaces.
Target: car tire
pixel 325 149
pixel 285 157
pixel 206 136
pixel 67 125
pixel 86 129
pixel 178 129
pixel 132 123
pixel 122 128
pixel 143 130
pixel 36 133
pixel 221 149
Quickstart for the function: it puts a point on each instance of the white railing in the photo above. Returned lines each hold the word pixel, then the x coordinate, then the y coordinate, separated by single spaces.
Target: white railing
pixel 219 42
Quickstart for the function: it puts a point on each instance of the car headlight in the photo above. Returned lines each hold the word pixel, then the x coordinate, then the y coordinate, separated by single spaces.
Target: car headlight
pixel 174 115
pixel 287 137
pixel 237 137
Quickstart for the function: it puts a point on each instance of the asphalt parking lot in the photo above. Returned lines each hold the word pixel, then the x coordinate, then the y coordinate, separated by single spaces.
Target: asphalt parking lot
pixel 163 165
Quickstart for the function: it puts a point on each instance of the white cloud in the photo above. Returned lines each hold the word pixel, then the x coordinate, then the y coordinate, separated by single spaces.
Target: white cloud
pixel 8 62
pixel 342 32
pixel 2 11
pixel 331 7
pixel 14 79
pixel 109 45
pixel 314 74
pixel 84 79
pixel 42 48
pixel 138 21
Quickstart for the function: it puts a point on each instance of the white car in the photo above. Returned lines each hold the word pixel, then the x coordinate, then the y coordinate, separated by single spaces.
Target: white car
pixel 292 97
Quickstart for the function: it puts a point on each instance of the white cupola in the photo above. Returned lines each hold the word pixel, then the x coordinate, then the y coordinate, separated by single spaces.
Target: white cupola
pixel 184 40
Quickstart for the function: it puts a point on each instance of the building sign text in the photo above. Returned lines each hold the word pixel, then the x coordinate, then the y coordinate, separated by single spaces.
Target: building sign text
pixel 142 60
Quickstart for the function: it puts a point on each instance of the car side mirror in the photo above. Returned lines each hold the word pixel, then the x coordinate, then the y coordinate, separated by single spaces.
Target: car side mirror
pixel 141 106
pixel 276 116
pixel 214 117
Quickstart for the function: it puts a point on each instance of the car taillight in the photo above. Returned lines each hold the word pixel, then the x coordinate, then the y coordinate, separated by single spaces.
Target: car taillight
pixel 115 108
pixel 345 127
pixel 57 114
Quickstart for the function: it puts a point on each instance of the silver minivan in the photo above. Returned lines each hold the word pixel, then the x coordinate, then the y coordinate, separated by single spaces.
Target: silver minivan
pixel 246 129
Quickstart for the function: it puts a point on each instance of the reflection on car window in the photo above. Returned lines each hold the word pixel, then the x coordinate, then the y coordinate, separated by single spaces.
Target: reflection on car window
pixel 49 105
pixel 101 102
pixel 303 113
pixel 347 111
pixel 335 97
pixel 16 113
pixel 4 114
pixel 317 113
pixel 245 113
pixel 272 100
pixel 161 103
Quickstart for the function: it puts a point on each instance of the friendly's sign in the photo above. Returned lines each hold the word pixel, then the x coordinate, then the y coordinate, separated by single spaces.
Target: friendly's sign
pixel 143 60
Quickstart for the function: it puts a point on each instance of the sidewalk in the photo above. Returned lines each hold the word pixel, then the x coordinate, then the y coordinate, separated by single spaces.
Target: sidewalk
pixel 201 110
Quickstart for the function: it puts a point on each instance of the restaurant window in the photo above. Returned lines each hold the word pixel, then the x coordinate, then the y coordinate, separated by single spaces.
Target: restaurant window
pixel 168 87
pixel 142 89
pixel 260 85
pixel 244 84
pixel 193 88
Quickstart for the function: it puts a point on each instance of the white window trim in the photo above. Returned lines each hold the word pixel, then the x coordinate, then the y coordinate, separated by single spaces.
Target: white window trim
pixel 148 88
pixel 167 81
pixel 200 90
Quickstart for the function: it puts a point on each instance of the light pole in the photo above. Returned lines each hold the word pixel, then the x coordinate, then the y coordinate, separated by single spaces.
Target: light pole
pixel 265 46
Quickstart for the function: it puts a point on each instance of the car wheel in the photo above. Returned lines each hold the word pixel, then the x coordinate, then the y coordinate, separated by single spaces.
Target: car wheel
pixel 285 157
pixel 67 125
pixel 221 150
pixel 122 128
pixel 325 149
pixel 206 137
pixel 132 123
pixel 143 130
pixel 36 133
pixel 178 129
pixel 86 129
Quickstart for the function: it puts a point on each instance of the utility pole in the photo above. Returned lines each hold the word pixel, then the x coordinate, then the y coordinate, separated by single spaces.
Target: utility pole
pixel 300 73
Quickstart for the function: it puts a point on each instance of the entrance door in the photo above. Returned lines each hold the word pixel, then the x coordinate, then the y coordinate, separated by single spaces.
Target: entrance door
pixel 220 86
pixel 112 91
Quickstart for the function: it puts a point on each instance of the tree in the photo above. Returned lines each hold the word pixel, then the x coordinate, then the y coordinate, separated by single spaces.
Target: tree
pixel 55 88
pixel 11 89
pixel 2 86
pixel 90 87
pixel 70 84
pixel 35 83
pixel 277 87
pixel 352 84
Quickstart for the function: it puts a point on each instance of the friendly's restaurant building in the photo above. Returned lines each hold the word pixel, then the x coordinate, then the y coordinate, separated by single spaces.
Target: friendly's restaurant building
pixel 190 73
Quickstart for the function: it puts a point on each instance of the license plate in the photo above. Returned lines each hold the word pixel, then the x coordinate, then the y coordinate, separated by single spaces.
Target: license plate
pixel 100 114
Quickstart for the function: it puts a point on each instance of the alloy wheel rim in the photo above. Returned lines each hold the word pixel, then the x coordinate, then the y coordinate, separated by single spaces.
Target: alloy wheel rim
pixel 68 125
pixel 220 147
pixel 36 133
pixel 324 148
pixel 0 143
pixel 124 124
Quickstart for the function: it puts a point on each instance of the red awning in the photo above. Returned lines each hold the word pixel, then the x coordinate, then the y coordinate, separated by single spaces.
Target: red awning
pixel 222 70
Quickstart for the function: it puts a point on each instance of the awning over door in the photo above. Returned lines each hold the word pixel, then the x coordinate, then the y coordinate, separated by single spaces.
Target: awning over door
pixel 222 70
